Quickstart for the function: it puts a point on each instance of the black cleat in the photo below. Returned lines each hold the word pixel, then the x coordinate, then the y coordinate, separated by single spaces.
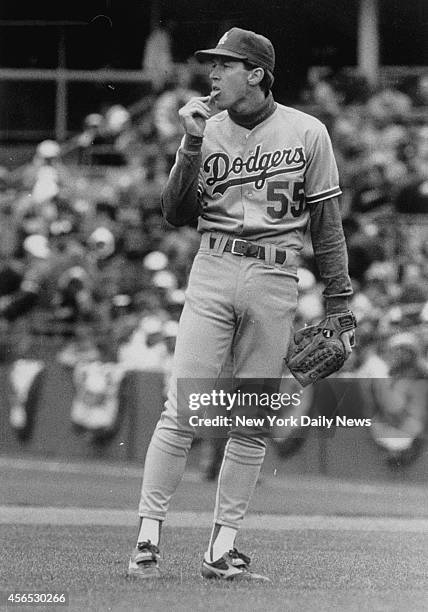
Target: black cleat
pixel 233 565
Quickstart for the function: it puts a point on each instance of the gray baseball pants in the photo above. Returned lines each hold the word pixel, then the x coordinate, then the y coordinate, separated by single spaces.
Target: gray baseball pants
pixel 238 310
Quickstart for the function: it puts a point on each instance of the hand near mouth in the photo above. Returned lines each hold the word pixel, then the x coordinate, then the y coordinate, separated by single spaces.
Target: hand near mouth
pixel 213 95
pixel 196 112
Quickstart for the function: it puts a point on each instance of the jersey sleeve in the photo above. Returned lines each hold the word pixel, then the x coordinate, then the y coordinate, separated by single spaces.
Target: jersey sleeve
pixel 181 197
pixel 321 176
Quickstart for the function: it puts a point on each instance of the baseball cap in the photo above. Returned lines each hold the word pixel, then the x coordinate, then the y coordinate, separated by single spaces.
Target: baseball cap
pixel 243 45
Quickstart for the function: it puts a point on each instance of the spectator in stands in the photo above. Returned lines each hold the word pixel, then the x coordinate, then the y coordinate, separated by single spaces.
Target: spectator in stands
pixel 372 190
pixel 389 105
pixel 404 356
pixel 33 280
pixel 323 93
pixel 146 348
pixel 180 246
pixel 368 360
pixel 83 141
pixel 419 91
pixel 45 174
pixel 382 151
pixel 104 135
pixel 398 403
pixel 106 216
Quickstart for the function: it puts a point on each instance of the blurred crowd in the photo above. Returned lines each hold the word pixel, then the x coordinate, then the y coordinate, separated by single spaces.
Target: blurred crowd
pixel 90 271
pixel 381 145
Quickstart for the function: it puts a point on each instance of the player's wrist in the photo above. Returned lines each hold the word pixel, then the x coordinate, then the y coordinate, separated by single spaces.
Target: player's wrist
pixel 336 305
pixel 192 143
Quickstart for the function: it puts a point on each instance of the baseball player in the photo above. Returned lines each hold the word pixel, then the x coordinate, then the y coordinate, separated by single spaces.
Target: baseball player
pixel 253 173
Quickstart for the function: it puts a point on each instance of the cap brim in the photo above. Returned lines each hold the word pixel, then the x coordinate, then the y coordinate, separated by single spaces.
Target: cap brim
pixel 207 53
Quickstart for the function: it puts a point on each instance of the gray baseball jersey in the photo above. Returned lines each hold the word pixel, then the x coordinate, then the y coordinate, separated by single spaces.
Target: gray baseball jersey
pixel 258 183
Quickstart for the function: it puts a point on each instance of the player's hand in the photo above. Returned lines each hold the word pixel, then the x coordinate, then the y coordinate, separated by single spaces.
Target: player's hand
pixel 195 113
pixel 348 340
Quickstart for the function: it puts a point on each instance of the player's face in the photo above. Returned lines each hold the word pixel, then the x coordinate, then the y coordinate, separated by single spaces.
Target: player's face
pixel 230 78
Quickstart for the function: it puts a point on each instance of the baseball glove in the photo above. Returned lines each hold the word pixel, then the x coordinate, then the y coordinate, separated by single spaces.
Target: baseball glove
pixel 317 350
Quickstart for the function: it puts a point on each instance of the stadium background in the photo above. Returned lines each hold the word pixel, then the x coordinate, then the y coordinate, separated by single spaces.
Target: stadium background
pixel 92 280
pixel 92 284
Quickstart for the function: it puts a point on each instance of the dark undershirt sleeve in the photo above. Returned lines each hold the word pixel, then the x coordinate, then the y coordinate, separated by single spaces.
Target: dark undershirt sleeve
pixel 331 256
pixel 179 200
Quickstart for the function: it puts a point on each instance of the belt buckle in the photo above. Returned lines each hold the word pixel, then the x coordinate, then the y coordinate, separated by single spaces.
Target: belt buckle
pixel 239 250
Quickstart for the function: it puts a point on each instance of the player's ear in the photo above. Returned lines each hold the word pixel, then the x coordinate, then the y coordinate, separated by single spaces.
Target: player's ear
pixel 255 76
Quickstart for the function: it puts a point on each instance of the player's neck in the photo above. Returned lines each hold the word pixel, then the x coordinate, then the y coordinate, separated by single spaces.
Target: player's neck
pixel 254 112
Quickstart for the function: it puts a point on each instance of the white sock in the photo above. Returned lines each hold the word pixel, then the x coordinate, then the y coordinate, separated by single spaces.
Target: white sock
pixel 222 540
pixel 149 530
